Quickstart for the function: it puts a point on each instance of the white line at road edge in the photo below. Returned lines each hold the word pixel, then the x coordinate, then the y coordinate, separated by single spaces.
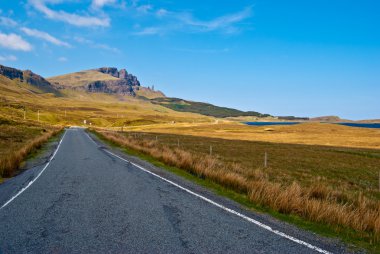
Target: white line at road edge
pixel 291 238
pixel 35 179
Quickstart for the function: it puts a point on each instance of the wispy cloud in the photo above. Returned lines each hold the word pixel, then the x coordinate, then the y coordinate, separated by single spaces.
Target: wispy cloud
pixel 150 31
pixel 185 21
pixel 97 4
pixel 144 8
pixel 8 58
pixel 44 36
pixel 70 18
pixel 224 22
pixel 93 44
pixel 4 21
pixel 203 51
pixel 162 12
pixel 62 59
pixel 14 42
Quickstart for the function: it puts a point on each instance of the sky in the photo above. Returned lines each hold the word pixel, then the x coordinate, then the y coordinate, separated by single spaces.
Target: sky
pixel 303 58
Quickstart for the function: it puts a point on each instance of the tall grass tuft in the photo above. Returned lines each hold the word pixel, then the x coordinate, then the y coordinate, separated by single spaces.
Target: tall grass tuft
pixel 10 162
pixel 317 203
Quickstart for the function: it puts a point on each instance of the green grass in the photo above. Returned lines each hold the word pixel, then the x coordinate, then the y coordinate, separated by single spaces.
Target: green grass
pixel 203 108
pixel 352 238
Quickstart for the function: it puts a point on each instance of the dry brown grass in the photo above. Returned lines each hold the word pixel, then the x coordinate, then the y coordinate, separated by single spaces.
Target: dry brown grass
pixel 306 133
pixel 11 161
pixel 317 203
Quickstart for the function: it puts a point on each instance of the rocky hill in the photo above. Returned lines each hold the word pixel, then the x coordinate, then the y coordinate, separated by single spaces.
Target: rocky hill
pixel 28 77
pixel 104 80
pixel 111 81
pixel 122 74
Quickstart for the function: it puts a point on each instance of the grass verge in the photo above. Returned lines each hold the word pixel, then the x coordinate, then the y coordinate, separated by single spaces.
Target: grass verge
pixel 20 141
pixel 316 208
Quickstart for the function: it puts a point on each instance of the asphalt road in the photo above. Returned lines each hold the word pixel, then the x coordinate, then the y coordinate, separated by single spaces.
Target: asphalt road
pixel 87 200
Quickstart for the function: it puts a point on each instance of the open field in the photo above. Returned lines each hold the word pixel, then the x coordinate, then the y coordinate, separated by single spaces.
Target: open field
pixel 334 186
pixel 352 170
pixel 17 140
pixel 306 133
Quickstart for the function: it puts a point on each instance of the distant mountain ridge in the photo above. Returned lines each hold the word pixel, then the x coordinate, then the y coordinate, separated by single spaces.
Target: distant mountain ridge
pixel 329 119
pixel 104 80
pixel 203 108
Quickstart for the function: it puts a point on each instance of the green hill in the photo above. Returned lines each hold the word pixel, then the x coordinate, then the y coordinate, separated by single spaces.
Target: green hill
pixel 203 108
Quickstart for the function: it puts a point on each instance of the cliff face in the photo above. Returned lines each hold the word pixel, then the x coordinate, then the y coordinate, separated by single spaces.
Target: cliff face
pixel 34 79
pixel 126 83
pixel 28 77
pixel 11 73
pixel 122 74
pixel 111 86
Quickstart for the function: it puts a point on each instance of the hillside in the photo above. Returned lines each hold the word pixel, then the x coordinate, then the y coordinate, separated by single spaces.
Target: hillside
pixel 203 108
pixel 21 101
pixel 110 92
pixel 329 119
pixel 40 84
pixel 111 80
pixel 104 80
pixel 79 79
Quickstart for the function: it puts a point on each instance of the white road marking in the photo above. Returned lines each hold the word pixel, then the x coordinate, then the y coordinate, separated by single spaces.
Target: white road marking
pixel 262 225
pixel 35 179
pixel 91 139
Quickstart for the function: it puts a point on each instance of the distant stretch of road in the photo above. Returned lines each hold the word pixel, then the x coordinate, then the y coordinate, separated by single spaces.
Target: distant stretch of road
pixel 88 199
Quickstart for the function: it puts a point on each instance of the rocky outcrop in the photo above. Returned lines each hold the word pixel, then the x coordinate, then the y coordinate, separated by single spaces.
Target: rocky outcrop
pixel 110 71
pixel 126 84
pixel 11 73
pixel 36 80
pixel 28 77
pixel 122 74
pixel 111 86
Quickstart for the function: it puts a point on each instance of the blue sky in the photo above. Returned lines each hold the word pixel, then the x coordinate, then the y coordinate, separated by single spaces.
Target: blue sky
pixel 304 58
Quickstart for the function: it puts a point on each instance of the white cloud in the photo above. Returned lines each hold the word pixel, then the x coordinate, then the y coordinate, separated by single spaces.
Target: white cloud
pixel 162 12
pixel 4 21
pixel 144 8
pixel 93 44
pixel 62 59
pixel 222 22
pixel 44 36
pixel 70 18
pixel 8 58
pixel 185 21
pixel 150 31
pixel 14 42
pixel 97 4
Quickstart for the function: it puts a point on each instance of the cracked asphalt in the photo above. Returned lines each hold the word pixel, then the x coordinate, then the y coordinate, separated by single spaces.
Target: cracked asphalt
pixel 88 201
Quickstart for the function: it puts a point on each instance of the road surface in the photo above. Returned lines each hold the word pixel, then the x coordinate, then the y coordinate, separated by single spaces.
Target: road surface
pixel 89 199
